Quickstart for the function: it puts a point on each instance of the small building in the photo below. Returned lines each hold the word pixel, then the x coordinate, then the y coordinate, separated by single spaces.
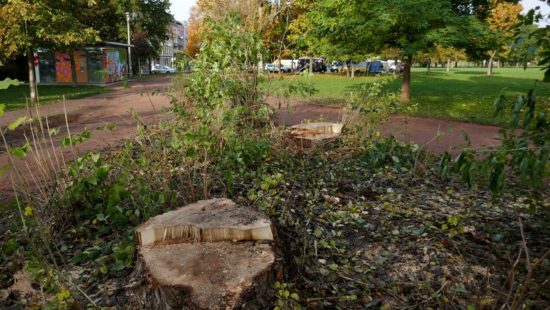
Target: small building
pixel 104 63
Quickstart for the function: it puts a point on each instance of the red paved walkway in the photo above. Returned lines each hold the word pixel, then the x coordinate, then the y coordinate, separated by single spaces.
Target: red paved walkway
pixel 406 128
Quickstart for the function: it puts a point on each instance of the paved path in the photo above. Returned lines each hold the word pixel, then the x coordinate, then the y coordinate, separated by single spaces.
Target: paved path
pixel 90 113
pixel 406 128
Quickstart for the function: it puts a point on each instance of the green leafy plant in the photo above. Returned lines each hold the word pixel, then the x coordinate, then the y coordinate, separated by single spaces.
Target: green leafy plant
pixel 367 106
pixel 5 83
pixel 524 151
pixel 286 298
pixel 223 90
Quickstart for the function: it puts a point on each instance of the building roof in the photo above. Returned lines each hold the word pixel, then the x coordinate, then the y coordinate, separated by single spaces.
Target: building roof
pixel 116 44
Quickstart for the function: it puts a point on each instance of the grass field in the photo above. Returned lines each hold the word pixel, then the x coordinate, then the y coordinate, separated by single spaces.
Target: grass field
pixel 465 94
pixel 14 96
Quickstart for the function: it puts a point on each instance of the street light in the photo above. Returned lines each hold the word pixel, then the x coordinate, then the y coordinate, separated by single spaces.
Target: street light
pixel 128 17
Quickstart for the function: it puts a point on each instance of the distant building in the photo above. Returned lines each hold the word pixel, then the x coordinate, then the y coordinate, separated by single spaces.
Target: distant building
pixel 177 41
pixel 180 37
pixel 166 55
pixel 185 34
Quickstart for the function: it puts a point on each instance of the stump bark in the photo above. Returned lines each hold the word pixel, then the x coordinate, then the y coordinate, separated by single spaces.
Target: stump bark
pixel 208 255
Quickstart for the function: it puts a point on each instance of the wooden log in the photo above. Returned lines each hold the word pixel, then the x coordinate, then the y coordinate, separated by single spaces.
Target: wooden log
pixel 208 255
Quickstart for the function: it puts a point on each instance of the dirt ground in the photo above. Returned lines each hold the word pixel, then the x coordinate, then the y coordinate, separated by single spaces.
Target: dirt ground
pixel 113 109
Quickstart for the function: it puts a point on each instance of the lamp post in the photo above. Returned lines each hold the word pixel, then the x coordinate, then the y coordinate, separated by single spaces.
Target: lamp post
pixel 128 17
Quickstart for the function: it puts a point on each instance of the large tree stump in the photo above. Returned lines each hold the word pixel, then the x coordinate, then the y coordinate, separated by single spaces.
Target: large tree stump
pixel 208 255
pixel 316 132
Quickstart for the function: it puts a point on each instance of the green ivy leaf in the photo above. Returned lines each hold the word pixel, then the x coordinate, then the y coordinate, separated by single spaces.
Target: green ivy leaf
pixel 27 211
pixel 63 295
pixel 22 151
pixel 4 84
pixel 17 123
pixel 65 142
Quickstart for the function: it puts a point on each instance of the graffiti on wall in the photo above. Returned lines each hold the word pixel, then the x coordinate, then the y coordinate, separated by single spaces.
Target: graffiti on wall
pixel 114 65
pixel 63 72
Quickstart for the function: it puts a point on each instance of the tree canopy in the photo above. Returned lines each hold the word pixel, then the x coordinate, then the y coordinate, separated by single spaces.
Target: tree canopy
pixel 342 29
pixel 345 29
pixel 41 23
pixel 149 29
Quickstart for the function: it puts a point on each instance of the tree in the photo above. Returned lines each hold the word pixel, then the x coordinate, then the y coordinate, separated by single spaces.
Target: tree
pixel 40 23
pixel 524 48
pixel 143 47
pixel 193 32
pixel 330 29
pixel 153 18
pixel 268 17
pixel 106 17
pixel 345 28
pixel 502 19
pixel 541 35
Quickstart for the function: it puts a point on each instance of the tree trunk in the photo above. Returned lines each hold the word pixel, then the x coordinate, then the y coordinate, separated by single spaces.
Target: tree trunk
pixel 490 64
pixel 73 66
pixel 311 66
pixel 429 66
pixel 448 64
pixel 406 84
pixel 32 77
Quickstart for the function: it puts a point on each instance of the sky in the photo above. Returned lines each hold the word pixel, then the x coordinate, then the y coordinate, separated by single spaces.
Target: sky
pixel 180 8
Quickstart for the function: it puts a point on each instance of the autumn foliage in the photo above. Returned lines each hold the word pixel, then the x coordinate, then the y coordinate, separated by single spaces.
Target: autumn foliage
pixel 193 39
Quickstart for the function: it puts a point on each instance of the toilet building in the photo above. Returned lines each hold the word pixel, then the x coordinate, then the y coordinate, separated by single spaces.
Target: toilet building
pixel 102 64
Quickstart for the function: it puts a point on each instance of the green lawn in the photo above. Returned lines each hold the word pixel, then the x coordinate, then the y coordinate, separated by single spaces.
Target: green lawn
pixel 14 96
pixel 465 94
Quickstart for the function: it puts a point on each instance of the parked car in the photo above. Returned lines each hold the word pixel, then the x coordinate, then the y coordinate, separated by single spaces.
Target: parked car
pixel 277 68
pixel 286 69
pixel 376 67
pixel 272 68
pixel 392 65
pixel 336 66
pixel 318 64
pixel 357 67
pixel 163 69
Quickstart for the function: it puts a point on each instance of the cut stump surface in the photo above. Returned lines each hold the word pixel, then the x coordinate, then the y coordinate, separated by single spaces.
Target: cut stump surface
pixel 205 221
pixel 316 131
pixel 209 253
